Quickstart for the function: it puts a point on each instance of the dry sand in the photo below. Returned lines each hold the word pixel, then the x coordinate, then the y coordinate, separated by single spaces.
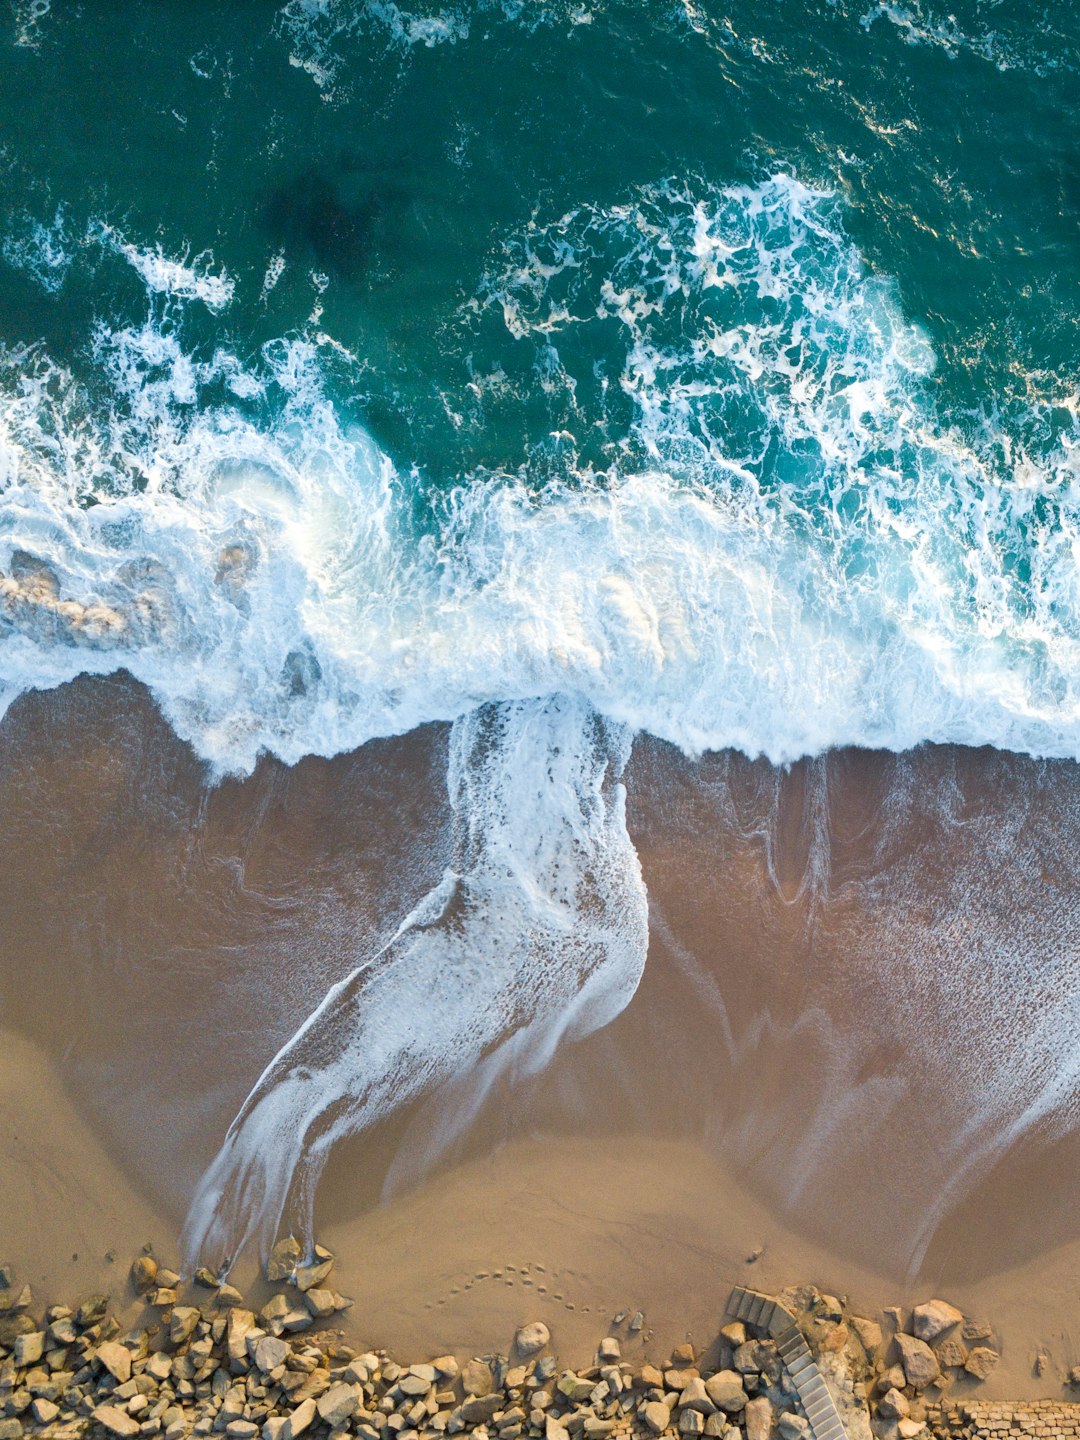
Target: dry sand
pixel 793 1073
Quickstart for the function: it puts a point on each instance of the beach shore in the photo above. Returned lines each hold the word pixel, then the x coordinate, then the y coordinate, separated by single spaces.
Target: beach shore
pixel 780 1087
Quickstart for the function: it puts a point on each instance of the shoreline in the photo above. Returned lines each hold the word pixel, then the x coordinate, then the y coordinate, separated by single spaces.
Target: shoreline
pixel 771 1089
pixel 203 1359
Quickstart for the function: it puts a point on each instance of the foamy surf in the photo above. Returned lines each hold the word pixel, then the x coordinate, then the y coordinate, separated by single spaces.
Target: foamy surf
pixel 780 545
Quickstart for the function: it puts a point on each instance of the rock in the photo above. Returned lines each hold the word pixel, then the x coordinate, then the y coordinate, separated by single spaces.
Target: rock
pixel 227 1296
pixel 951 1352
pixel 7 1275
pixel 734 1334
pixel 236 1329
pixel 168 1278
pixel 656 1416
pixel 869 1333
pixel 116 1360
pixel 182 1323
pixel 270 1353
pixel 28 1348
pixel 159 1366
pixel 447 1367
pixel 162 1297
pixel 320 1303
pixel 143 1274
pixel 477 1379
pixel 725 1390
pixel 980 1361
pixel 11 1429
pixel 206 1278
pixel 283 1259
pixel 1074 1375
pixel 795 1427
pixel 894 1405
pixel 574 1387
pixel 679 1379
pixel 609 1351
pixel 696 1397
pixel 909 1429
pixel 241 1430
pixel 555 1429
pixel 115 1420
pixel 309 1276
pixel 12 1326
pixel 691 1422
pixel 682 1355
pixel 44 1411
pixel 919 1361
pixel 531 1339
pixel 637 1322
pixel 934 1318
pixel 757 1417
pixel 299 1420
pixel 338 1405
pixel 975 1329
pixel 480 1411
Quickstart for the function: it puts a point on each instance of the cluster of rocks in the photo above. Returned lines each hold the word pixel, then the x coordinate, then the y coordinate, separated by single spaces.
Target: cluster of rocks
pixel 216 1367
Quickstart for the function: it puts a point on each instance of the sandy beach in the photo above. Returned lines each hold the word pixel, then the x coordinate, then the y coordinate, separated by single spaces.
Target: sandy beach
pixel 743 1104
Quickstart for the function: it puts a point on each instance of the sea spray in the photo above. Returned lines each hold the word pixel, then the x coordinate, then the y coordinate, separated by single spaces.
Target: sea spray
pixel 536 933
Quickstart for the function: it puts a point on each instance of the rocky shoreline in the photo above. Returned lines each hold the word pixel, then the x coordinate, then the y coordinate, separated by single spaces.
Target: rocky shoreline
pixel 213 1366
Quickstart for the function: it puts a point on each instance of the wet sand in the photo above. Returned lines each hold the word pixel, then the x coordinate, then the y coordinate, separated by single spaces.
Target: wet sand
pixel 859 975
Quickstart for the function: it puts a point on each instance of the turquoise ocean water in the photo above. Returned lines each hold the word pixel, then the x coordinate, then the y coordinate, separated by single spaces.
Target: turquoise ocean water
pixel 560 370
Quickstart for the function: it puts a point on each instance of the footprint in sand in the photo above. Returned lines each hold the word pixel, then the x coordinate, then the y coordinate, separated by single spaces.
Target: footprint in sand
pixel 524 1275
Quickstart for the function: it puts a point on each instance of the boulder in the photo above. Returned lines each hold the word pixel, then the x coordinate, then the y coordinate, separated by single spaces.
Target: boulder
pixel 28 1349
pixel 757 1417
pixel 320 1303
pixel 795 1427
pixel 609 1351
pixel 691 1422
pixel 894 1405
pixel 299 1420
pixel 725 1390
pixel 656 1416
pixel 144 1271
pixel 869 1333
pixel 934 1318
pixel 283 1259
pixel 477 1379
pixel 696 1397
pixel 270 1353
pixel 309 1276
pixel 919 1361
pixel 980 1361
pixel 555 1429
pixel 531 1339
pixel 951 1352
pixel 480 1411
pixel 116 1359
pixel 182 1323
pixel 116 1421
pixel 338 1405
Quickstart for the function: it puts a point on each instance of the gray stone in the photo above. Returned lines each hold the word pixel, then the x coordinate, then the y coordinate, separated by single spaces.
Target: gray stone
pixel 531 1339
pixel 310 1276
pixel 609 1350
pixel 725 1390
pixel 299 1420
pixel 116 1421
pixel 894 1405
pixel 919 1361
pixel 481 1410
pixel 696 1397
pixel 869 1333
pixel 338 1405
pixel 28 1349
pixel 320 1303
pixel 555 1429
pixel 980 1361
pixel 182 1323
pixel 757 1417
pixel 44 1411
pixel 283 1259
pixel 11 1429
pixel 270 1353
pixel 934 1318
pixel 241 1430
pixel 795 1427
pixel 476 1378
pixel 144 1270
pixel 116 1359
pixel 656 1416
pixel 691 1422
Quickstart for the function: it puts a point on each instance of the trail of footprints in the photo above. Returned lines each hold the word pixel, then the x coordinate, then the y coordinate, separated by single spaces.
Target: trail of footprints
pixel 533 1276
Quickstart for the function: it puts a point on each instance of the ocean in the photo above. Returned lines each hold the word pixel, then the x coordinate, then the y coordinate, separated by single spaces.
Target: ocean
pixel 624 390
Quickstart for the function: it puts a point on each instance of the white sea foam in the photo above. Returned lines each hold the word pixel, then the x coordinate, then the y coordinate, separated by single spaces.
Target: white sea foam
pixel 163 275
pixel 536 933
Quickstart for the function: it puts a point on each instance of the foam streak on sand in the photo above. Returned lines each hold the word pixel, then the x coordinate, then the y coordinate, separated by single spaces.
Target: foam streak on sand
pixel 537 932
